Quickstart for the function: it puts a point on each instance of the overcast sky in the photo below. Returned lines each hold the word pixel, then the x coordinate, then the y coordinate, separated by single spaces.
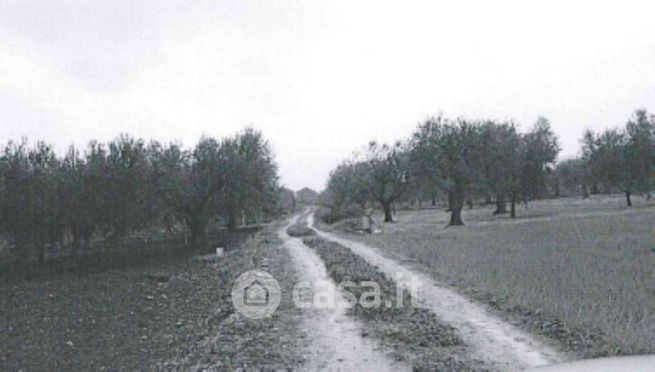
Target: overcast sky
pixel 319 78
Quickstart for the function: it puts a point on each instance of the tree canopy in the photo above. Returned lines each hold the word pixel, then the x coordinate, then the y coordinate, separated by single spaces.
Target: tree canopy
pixel 110 190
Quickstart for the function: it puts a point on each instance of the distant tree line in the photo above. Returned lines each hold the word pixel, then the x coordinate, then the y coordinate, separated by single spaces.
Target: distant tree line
pixel 617 159
pixel 492 161
pixel 127 185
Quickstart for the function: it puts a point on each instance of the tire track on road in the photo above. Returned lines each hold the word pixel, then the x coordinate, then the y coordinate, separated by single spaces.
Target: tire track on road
pixel 336 341
pixel 498 343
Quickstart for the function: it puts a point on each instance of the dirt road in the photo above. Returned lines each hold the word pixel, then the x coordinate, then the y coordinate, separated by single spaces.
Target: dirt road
pixel 498 343
pixel 336 341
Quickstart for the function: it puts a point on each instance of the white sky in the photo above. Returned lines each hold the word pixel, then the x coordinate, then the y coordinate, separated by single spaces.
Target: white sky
pixel 319 78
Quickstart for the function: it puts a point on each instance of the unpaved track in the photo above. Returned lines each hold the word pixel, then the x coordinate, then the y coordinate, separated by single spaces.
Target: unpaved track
pixel 336 341
pixel 496 342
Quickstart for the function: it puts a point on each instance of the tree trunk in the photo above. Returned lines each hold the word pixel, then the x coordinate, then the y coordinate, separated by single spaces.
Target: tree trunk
pixel 21 263
pixel 628 198
pixel 198 227
pixel 513 209
pixel 387 212
pixel 585 191
pixel 87 236
pixel 232 219
pixel 594 189
pixel 487 198
pixel 456 198
pixel 22 251
pixel 433 199
pixel 38 245
pixel 76 243
pixel 501 204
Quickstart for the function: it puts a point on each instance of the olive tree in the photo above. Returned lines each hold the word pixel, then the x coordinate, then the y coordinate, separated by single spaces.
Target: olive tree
pixel 383 172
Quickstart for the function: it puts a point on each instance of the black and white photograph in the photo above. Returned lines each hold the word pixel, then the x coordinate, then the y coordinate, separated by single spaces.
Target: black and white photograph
pixel 327 185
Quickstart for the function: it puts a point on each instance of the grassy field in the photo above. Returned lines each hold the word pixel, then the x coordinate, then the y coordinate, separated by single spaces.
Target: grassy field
pixel 586 265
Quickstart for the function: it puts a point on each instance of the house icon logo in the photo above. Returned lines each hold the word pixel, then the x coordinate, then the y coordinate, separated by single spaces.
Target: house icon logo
pixel 256 294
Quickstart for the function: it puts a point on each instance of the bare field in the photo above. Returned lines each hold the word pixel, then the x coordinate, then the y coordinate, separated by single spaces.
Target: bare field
pixel 588 265
pixel 172 316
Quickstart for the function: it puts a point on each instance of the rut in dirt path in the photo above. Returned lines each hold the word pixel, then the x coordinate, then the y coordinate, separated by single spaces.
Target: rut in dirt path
pixel 494 341
pixel 336 341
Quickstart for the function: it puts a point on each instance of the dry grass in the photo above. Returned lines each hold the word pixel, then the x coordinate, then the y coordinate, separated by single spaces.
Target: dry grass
pixel 589 263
